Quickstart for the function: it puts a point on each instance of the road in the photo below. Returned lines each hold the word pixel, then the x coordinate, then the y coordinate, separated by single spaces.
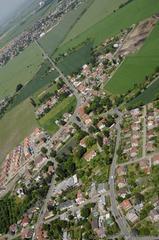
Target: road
pixel 120 219
pixel 144 134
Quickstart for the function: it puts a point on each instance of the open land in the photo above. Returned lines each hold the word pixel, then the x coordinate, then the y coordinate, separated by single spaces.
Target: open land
pixel 15 126
pixel 136 66
pixel 20 70
pixel 119 20
pixel 53 38
pixel 48 121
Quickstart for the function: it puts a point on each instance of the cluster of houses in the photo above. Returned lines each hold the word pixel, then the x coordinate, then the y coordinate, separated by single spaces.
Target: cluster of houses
pixel 36 31
pixel 152 122
pixel 30 150
pixel 50 103
pixel 132 135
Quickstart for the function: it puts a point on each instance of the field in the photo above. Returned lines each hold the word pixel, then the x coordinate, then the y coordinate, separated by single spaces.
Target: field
pixel 95 13
pixel 15 126
pixel 111 25
pixel 147 96
pixel 53 38
pixel 137 66
pixel 48 121
pixel 73 62
pixel 20 70
pixel 42 78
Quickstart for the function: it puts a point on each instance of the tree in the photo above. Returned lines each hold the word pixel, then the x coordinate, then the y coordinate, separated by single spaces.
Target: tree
pixel 85 212
pixel 19 87
pixel 53 153
pixel 44 150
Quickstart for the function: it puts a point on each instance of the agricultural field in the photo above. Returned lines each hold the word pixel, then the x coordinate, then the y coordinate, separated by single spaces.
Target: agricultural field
pixel 111 25
pixel 48 121
pixel 147 96
pixel 73 62
pixel 15 126
pixel 20 70
pixel 53 38
pixel 41 79
pixel 95 13
pixel 137 66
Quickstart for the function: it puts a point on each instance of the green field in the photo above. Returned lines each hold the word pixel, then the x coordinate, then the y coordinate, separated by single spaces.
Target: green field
pixel 41 79
pixel 147 96
pixel 20 70
pixel 53 38
pixel 73 62
pixel 111 25
pixel 48 121
pixel 137 66
pixel 15 126
pixel 96 12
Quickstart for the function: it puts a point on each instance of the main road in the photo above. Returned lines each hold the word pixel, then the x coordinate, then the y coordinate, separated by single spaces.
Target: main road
pixel 119 217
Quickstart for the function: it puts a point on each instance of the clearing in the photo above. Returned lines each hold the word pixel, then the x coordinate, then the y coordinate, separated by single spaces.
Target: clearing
pixel 20 70
pixel 137 66
pixel 15 126
pixel 48 121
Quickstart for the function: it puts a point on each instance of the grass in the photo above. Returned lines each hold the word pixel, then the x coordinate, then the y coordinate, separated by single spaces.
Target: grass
pixel 53 38
pixel 20 70
pixel 15 126
pixel 48 121
pixel 136 66
pixel 95 13
pixel 111 25
pixel 147 96
pixel 73 62
pixel 41 79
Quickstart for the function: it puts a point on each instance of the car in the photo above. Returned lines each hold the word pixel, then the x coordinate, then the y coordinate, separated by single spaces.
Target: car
pixel 78 119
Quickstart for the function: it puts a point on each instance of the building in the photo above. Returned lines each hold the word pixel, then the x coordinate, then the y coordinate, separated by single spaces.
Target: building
pixel 126 205
pixel 132 216
pixel 102 188
pixel 89 155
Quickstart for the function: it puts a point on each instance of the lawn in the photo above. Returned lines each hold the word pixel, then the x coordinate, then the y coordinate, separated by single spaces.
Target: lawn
pixel 53 38
pixel 15 126
pixel 95 13
pixel 137 66
pixel 20 70
pixel 147 96
pixel 73 62
pixel 111 25
pixel 48 121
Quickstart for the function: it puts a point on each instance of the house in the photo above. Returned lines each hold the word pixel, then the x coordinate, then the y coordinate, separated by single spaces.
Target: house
pixel 102 188
pixel 101 232
pixel 132 216
pixel 39 161
pixel 145 165
pixel 155 160
pixel 25 221
pixel 101 124
pixel 121 182
pixel 27 233
pixel 126 205
pixel 13 228
pixel 123 192
pixel 40 233
pixel 89 155
pixel 133 152
pixel 66 205
pixel 121 171
pixel 80 199
pixel 154 215
pixel 83 142
pixel 94 224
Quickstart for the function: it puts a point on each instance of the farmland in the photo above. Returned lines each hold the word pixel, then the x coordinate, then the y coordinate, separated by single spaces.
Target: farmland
pixel 48 121
pixel 137 66
pixel 20 70
pixel 111 25
pixel 147 96
pixel 73 62
pixel 95 13
pixel 15 125
pixel 54 37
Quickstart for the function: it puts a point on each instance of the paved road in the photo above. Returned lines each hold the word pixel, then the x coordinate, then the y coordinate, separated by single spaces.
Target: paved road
pixel 120 219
